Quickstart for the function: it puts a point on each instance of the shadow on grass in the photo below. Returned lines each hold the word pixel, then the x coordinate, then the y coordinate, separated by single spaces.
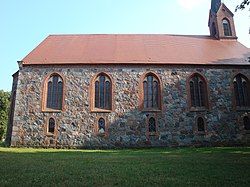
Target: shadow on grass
pixel 206 150
pixel 125 167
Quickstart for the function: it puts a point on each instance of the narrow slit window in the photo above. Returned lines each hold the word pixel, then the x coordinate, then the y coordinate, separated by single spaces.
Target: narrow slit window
pixel 151 125
pixel 145 90
pixel 101 125
pixel 200 124
pixel 51 126
pixel 97 92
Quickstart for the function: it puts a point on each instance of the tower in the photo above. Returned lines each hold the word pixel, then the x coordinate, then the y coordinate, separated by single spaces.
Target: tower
pixel 221 22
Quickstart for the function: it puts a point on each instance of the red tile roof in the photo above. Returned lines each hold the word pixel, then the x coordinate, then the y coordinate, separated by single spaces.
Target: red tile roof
pixel 137 49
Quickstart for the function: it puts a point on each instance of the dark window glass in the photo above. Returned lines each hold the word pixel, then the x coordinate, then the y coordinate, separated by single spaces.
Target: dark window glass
pixel 151 125
pixel 107 95
pixel 155 94
pixel 51 125
pixel 246 122
pixel 241 91
pixel 192 93
pixel 202 96
pixel 145 90
pixel 226 27
pixel 59 96
pixel 151 92
pixel 101 125
pixel 49 98
pixel 102 86
pixel 236 93
pixel 197 91
pixel 55 93
pixel 245 93
pixel 103 96
pixel 200 124
pixel 97 100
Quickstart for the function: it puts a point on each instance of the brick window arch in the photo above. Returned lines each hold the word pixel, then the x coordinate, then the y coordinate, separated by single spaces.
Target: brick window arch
pixel 200 124
pixel 241 91
pixel 198 95
pixel 226 27
pixel 246 123
pixel 101 126
pixel 102 93
pixel 53 95
pixel 51 125
pixel 151 92
pixel 152 125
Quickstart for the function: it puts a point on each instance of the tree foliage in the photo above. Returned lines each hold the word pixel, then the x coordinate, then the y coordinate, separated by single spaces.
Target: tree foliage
pixel 242 5
pixel 4 111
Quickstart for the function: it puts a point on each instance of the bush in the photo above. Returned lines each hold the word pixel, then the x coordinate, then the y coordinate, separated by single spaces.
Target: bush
pixel 4 112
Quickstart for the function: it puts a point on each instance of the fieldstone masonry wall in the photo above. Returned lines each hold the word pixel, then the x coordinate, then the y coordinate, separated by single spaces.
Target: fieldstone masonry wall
pixel 75 127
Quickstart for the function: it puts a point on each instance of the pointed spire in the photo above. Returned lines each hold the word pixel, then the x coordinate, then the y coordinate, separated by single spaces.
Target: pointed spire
pixel 221 22
pixel 215 5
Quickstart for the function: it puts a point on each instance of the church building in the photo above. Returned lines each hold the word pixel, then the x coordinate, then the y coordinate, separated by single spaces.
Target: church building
pixel 134 90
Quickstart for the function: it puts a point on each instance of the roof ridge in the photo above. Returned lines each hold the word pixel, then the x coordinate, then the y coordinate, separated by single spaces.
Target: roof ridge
pixel 139 34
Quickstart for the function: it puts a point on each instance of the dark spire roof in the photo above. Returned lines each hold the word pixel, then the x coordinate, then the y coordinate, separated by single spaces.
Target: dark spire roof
pixel 215 5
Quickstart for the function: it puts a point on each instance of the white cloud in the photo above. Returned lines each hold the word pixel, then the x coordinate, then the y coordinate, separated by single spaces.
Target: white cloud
pixel 191 4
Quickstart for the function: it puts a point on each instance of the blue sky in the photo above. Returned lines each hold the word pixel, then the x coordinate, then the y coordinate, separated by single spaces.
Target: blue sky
pixel 25 23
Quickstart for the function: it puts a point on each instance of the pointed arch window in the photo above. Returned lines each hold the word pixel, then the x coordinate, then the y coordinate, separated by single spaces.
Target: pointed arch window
pixel 51 125
pixel 200 124
pixel 226 27
pixel 241 91
pixel 101 126
pixel 54 92
pixel 198 91
pixel 151 125
pixel 246 122
pixel 151 92
pixel 103 92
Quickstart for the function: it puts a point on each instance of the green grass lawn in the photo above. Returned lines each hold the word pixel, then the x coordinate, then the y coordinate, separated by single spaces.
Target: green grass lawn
pixel 128 167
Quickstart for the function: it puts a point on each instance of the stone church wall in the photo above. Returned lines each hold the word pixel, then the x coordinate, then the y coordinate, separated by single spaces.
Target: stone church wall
pixel 75 126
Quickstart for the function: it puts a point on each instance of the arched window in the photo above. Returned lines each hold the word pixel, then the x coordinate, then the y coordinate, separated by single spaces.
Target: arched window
pixel 246 123
pixel 151 92
pixel 241 91
pixel 101 125
pixel 151 125
pixel 226 27
pixel 55 92
pixel 198 91
pixel 103 92
pixel 51 125
pixel 200 124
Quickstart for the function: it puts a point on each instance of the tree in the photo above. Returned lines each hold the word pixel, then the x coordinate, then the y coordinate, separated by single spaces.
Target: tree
pixel 4 111
pixel 242 5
